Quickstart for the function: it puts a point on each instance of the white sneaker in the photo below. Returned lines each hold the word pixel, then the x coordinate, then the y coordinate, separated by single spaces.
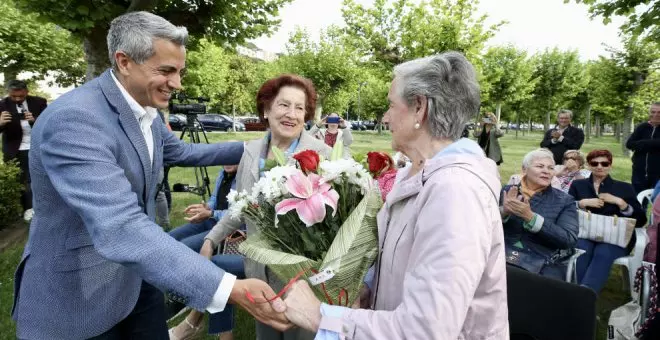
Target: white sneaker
pixel 27 216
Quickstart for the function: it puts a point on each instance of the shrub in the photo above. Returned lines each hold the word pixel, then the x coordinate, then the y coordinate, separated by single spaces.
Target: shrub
pixel 10 194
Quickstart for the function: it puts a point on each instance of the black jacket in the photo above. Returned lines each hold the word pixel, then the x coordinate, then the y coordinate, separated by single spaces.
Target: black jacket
pixel 645 142
pixel 584 188
pixel 573 139
pixel 12 133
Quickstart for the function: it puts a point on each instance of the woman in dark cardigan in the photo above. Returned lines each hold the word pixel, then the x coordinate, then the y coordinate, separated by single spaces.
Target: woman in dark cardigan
pixel 602 195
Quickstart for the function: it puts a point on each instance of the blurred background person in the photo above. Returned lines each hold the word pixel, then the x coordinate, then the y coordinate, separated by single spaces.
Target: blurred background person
pixel 571 169
pixel 18 112
pixel 645 143
pixel 603 195
pixel 563 136
pixel 488 137
pixel 333 129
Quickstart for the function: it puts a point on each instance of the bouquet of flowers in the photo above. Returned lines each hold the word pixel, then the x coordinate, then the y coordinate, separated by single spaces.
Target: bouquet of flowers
pixel 315 219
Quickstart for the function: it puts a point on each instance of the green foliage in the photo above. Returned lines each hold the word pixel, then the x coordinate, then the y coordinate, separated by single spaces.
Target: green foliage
pixel 643 22
pixel 508 73
pixel 225 22
pixel 10 194
pixel 390 34
pixel 30 45
pixel 331 67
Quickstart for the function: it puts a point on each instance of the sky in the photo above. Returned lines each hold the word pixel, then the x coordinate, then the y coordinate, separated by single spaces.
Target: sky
pixel 533 25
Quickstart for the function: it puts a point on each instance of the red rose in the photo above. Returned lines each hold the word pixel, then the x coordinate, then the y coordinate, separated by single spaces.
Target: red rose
pixel 308 160
pixel 379 162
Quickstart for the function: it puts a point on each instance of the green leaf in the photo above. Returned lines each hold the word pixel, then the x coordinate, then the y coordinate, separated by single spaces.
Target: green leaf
pixel 280 158
pixel 337 152
pixel 82 10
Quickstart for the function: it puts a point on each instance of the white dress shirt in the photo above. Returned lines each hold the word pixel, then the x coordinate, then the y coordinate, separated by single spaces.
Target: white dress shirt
pixel 145 117
pixel 25 126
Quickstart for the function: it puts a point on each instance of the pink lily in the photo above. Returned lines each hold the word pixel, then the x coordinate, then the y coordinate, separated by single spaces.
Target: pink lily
pixel 311 196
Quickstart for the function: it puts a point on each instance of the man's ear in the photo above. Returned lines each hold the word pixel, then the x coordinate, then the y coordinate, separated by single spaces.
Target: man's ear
pixel 123 63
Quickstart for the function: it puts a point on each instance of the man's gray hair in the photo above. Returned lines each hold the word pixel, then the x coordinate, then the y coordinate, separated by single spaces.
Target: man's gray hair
pixel 16 85
pixel 537 154
pixel 565 111
pixel 134 33
pixel 449 84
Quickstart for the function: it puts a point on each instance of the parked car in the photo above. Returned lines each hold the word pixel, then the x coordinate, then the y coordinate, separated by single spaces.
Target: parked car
pixel 254 124
pixel 357 125
pixel 214 122
pixel 370 124
pixel 239 126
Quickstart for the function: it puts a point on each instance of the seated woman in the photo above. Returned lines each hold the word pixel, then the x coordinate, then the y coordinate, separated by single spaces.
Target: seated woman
pixel 333 129
pixel 441 273
pixel 284 103
pixel 603 195
pixel 539 220
pixel 572 169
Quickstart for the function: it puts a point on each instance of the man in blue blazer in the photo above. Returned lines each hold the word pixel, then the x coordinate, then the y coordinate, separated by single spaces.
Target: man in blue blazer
pixel 95 256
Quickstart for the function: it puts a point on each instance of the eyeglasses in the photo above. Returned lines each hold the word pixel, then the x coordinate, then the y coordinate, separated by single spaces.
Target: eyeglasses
pixel 603 164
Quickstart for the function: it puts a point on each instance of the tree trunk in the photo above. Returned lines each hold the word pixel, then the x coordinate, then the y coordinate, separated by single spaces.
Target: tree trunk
pixel 518 126
pixel 529 125
pixel 617 132
pixel 599 128
pixel 627 124
pixel 498 111
pixel 233 116
pixel 96 52
pixel 10 74
pixel 546 124
pixel 587 125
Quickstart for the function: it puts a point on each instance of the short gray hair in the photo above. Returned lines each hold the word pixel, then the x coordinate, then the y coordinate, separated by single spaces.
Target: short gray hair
pixel 134 33
pixel 449 84
pixel 537 154
pixel 565 111
pixel 16 85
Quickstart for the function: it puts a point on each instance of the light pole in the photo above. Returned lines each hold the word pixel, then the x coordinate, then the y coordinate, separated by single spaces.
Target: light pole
pixel 359 108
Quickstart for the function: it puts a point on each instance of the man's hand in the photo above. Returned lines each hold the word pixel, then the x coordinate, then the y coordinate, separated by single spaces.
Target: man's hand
pixel 271 313
pixel 591 202
pixel 207 249
pixel 5 117
pixel 555 134
pixel 28 116
pixel 198 213
pixel 302 306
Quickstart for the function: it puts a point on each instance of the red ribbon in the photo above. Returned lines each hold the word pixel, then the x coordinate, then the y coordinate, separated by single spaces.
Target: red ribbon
pixel 343 293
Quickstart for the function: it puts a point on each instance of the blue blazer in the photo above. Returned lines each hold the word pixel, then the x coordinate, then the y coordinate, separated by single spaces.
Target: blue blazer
pixel 93 238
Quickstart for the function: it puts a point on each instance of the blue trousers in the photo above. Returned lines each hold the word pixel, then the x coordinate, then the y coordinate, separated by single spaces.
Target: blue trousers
pixel 192 235
pixel 593 267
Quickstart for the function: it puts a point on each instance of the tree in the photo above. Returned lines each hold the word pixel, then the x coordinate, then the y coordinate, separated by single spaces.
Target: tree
pixel 509 75
pixel 390 34
pixel 29 45
pixel 329 65
pixel 638 23
pixel 207 71
pixel 222 21
pixel 559 77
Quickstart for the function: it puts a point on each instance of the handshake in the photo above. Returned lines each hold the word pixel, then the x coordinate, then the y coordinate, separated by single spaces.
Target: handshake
pixel 300 307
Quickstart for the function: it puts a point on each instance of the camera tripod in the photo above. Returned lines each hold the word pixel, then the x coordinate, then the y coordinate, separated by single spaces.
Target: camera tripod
pixel 202 182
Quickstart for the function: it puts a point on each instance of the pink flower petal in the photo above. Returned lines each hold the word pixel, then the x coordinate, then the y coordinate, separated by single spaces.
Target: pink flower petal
pixel 330 198
pixel 287 205
pixel 311 210
pixel 299 185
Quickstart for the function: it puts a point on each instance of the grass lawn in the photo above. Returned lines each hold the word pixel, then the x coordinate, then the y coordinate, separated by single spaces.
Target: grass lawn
pixel 612 296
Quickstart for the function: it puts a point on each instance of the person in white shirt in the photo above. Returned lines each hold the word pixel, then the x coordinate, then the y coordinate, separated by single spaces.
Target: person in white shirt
pixel 18 112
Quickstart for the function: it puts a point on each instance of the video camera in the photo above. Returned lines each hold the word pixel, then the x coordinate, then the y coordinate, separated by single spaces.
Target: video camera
pixel 189 106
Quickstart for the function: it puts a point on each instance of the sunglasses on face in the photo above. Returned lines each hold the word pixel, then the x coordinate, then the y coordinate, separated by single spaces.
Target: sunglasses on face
pixel 603 164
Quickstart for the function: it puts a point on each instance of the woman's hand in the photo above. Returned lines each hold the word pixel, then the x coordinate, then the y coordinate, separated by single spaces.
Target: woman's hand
pixel 302 307
pixel 207 249
pixel 591 203
pixel 609 198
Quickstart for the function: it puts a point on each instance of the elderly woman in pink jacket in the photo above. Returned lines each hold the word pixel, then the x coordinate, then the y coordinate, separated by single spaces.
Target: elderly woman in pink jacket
pixel 441 269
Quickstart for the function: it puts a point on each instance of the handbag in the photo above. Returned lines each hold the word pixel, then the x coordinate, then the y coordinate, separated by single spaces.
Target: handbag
pixel 626 322
pixel 231 243
pixel 525 259
pixel 608 229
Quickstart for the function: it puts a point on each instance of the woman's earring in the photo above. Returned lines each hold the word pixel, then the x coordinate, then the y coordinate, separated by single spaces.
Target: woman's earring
pixel 416 126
